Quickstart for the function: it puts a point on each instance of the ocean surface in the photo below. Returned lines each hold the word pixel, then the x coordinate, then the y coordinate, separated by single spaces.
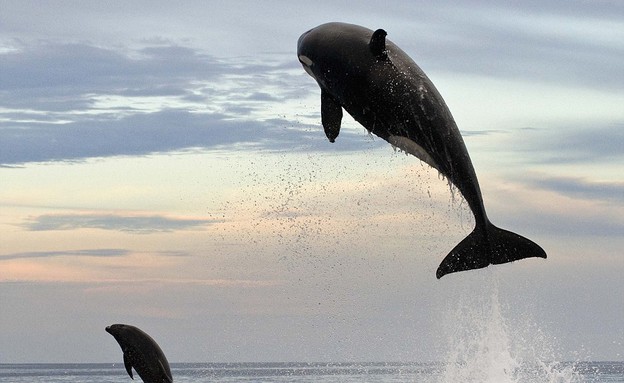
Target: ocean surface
pixel 319 372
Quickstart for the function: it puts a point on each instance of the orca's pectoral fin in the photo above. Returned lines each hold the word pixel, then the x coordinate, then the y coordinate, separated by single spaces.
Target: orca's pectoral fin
pixel 331 115
pixel 128 365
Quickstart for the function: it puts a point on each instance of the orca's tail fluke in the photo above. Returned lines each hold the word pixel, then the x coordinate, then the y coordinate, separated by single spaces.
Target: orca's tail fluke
pixel 488 245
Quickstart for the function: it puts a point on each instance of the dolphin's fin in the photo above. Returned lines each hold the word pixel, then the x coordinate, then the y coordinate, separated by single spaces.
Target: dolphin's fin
pixel 331 115
pixel 377 44
pixel 128 364
pixel 486 246
pixel 168 377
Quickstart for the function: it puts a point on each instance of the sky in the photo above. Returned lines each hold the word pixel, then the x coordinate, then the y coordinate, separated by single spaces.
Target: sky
pixel 164 166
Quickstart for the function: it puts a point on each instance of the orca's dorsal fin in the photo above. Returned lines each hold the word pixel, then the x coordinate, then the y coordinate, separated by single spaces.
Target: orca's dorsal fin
pixel 377 44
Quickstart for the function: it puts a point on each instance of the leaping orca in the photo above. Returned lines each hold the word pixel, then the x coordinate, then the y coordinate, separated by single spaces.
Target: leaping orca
pixel 385 91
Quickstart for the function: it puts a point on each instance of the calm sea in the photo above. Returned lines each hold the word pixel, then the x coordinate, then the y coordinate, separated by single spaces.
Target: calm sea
pixel 317 372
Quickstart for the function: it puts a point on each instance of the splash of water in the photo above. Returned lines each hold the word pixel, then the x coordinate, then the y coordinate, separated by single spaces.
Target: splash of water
pixel 484 349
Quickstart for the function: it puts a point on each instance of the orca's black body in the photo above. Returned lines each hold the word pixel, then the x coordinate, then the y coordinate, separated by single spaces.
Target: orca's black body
pixel 385 91
pixel 142 353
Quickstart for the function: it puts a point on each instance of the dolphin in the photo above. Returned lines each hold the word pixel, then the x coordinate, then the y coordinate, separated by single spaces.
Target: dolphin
pixel 142 353
pixel 358 70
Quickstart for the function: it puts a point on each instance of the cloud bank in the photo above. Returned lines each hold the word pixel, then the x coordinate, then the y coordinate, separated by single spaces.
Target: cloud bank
pixel 68 102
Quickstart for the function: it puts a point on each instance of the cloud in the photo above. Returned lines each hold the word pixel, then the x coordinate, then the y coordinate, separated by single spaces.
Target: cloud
pixel 560 43
pixel 480 133
pixel 161 132
pixel 40 71
pixel 582 223
pixel 561 206
pixel 137 134
pixel 562 143
pixel 588 143
pixel 611 192
pixel 70 253
pixel 142 224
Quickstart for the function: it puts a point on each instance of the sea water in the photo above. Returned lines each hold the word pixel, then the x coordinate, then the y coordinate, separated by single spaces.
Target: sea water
pixel 482 348
pixel 595 372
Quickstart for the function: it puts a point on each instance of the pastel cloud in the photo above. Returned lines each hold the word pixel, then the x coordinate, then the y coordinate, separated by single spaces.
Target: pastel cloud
pixel 142 224
pixel 70 253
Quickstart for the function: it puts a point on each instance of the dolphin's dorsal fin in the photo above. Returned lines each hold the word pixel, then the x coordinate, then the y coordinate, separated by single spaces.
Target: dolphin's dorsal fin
pixel 128 364
pixel 377 44
pixel 331 115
